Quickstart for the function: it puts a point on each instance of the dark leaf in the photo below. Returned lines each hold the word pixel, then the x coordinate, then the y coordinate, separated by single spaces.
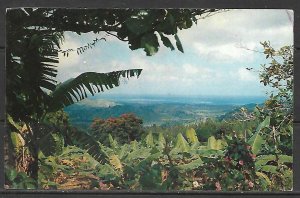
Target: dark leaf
pixel 178 43
pixel 166 41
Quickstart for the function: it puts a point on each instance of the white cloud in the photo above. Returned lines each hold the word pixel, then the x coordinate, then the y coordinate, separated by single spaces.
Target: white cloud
pixel 219 37
pixel 168 73
pixel 246 75
pixel 223 53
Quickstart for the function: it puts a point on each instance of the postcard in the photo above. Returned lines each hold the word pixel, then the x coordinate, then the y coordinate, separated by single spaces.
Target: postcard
pixel 149 99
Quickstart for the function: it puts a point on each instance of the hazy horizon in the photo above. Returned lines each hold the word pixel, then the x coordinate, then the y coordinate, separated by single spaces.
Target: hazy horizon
pixel 115 99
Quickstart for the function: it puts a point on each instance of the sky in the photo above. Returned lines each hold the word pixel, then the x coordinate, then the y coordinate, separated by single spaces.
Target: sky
pixel 213 63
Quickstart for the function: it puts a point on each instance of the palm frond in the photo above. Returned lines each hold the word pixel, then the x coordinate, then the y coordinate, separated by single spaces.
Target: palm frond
pixel 76 89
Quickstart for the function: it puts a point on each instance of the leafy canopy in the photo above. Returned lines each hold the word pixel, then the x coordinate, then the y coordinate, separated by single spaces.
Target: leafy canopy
pixel 34 38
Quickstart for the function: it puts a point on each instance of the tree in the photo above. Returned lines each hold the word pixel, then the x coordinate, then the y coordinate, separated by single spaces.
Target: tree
pixel 34 37
pixel 278 75
pixel 272 140
pixel 124 129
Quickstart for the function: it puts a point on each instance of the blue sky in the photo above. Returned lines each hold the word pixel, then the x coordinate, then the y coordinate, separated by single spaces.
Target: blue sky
pixel 213 63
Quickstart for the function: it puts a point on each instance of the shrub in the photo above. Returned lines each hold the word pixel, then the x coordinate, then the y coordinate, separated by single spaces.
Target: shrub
pixel 124 129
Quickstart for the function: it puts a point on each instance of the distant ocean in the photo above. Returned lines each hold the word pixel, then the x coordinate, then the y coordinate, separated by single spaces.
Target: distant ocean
pixel 162 99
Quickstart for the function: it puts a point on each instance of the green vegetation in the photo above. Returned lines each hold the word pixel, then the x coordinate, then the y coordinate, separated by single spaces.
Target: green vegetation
pixel 249 149
pixel 162 114
pixel 126 128
pixel 34 42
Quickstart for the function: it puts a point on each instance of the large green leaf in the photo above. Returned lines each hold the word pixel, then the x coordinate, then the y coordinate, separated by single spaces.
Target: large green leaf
pixel 10 174
pixel 115 162
pixel 265 177
pixel 181 144
pixel 113 143
pixel 269 169
pixel 264 124
pixel 141 153
pixel 178 43
pixel 149 140
pixel 151 179
pixel 190 166
pixel 191 136
pixel 210 153
pixel 215 144
pixel 166 41
pixel 13 123
pixel 285 159
pixel 161 140
pixel 263 160
pixel 76 89
pixel 256 141
pixel 17 141
pixel 108 172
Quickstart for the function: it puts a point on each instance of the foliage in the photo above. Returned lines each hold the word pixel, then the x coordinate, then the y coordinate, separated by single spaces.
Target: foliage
pixel 241 152
pixel 72 169
pixel 34 41
pixel 257 141
pixel 191 135
pixel 275 171
pixel 160 166
pixel 215 144
pixel 18 180
pixel 151 164
pixel 52 144
pixel 222 128
pixel 125 129
pixel 75 89
pixel 278 74
pixel 164 163
pixel 34 38
pixel 59 118
pixel 211 155
pixel 17 140
pixel 272 140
